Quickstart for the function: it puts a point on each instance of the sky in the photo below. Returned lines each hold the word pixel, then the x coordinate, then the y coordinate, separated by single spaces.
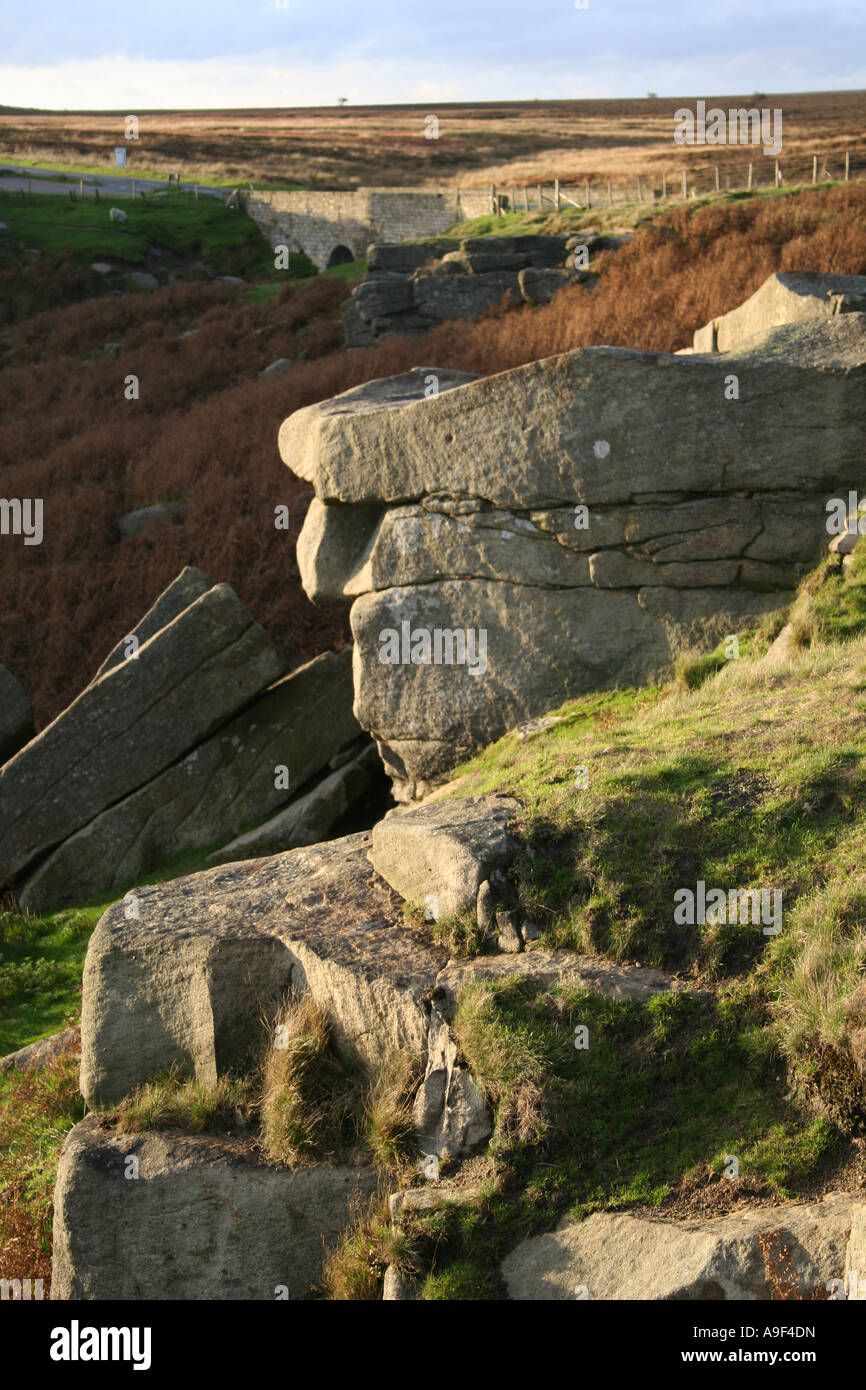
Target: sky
pixel 234 53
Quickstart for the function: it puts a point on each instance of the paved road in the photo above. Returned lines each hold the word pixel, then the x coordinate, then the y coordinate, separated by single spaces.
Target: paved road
pixel 14 177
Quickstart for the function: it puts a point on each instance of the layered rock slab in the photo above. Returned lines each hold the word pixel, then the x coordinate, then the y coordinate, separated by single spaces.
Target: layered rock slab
pixel 189 970
pixel 132 722
pixel 612 1256
pixel 222 786
pixel 596 425
pixel 202 1219
pixel 789 296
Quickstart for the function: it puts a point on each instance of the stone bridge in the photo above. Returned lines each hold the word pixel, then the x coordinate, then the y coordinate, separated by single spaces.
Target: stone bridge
pixel 334 228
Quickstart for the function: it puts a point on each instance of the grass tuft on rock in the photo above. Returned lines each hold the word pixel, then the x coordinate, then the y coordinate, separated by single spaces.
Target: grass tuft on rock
pixel 310 1097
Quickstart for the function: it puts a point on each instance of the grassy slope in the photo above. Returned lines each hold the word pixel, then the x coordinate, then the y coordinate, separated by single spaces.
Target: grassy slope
pixel 184 226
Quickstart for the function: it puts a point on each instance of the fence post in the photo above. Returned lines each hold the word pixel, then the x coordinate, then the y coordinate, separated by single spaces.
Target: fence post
pixel 685 184
pixel 718 186
pixel 847 164
pixel 525 198
pixel 777 174
pixel 493 197
pixel 814 168
pixel 540 197
pixel 664 185
pixel 556 194
pixel 586 187
pixel 609 193
pixel 639 190
pixel 749 184
pixel 80 188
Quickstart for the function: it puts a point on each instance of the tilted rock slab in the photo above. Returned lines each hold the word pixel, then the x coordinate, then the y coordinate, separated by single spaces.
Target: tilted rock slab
pixel 623 1256
pixel 591 515
pixel 220 787
pixel 202 1219
pixel 16 716
pixel 132 722
pixel 188 971
pixel 189 585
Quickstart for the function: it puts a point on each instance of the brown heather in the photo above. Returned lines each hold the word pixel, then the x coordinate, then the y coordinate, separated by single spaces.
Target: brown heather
pixel 205 428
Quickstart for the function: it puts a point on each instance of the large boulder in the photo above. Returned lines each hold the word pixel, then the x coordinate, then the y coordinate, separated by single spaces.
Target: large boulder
pixel 158 1216
pixel 16 716
pixel 221 787
pixel 132 722
pixel 188 971
pixel 649 503
pixel 624 1256
pixel 789 296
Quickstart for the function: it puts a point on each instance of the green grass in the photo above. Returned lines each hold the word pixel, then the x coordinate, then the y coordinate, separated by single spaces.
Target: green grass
pixel 187 228
pixel 41 959
pixel 159 175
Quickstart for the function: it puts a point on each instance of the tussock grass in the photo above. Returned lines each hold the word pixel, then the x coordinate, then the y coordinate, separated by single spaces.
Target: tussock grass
pixel 171 1100
pixel 310 1096
pixel 355 1268
pixel 388 1128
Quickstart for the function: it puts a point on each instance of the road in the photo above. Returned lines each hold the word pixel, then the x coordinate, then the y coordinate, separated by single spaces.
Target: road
pixel 14 177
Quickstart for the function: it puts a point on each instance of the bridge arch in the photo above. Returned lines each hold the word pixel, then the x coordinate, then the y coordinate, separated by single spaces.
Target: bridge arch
pixel 340 255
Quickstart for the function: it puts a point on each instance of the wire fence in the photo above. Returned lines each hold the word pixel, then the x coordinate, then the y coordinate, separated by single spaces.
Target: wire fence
pixel 731 174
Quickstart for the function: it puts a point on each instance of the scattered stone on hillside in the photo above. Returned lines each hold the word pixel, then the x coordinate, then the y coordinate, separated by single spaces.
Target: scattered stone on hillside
pixel 143 280
pixel 189 585
pixel 545 968
pixel 450 1114
pixel 398 1287
pixel 205 1220
pixel 310 818
pixel 789 296
pixel 509 938
pixel 16 716
pixel 539 286
pixel 185 971
pixel 251 766
pixel 282 364
pixel 112 349
pixel 133 722
pixel 855 1256
pixel 408 289
pixel 38 1055
pixel 135 523
pixel 485 905
pixel 612 1256
pixel 441 853
pixel 101 267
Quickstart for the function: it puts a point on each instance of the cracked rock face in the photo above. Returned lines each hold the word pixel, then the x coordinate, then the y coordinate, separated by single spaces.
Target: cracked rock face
pixel 511 542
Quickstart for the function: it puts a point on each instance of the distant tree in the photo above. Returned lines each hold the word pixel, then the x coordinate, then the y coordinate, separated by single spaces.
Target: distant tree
pixel 652 96
pixel 341 101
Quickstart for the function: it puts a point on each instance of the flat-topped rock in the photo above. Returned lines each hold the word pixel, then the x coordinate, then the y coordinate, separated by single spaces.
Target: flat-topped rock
pixel 544 968
pixel 201 1219
pixel 612 1256
pixel 596 426
pixel 186 971
pixel 132 722
pixel 313 441
pixel 789 296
